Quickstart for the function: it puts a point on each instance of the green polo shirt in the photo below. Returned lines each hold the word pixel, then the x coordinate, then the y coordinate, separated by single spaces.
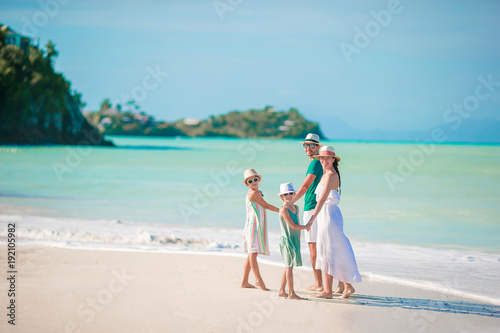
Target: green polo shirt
pixel 314 168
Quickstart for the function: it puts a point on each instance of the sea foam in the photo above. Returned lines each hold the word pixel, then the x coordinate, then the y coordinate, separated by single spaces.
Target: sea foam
pixel 464 273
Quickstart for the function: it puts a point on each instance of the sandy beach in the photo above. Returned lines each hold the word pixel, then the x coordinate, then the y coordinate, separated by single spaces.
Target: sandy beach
pixel 70 290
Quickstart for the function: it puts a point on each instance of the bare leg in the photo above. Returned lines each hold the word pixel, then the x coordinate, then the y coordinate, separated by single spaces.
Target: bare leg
pixel 348 290
pixel 289 278
pixel 255 268
pixel 340 288
pixel 282 292
pixel 327 292
pixel 318 285
pixel 246 273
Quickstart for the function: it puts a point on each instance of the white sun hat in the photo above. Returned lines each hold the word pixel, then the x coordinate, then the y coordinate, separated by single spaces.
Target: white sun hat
pixel 286 188
pixel 327 151
pixel 312 138
pixel 250 173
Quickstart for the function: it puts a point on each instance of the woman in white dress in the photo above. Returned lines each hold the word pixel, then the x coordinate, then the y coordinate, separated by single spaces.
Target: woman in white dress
pixel 334 252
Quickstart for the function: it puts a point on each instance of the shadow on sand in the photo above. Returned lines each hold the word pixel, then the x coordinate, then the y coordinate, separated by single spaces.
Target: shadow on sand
pixel 480 309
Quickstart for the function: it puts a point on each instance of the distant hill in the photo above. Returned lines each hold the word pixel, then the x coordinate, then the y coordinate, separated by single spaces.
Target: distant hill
pixel 264 123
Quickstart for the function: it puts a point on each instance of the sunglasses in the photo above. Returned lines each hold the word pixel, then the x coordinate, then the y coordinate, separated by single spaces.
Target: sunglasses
pixel 255 180
pixel 291 193
pixel 309 145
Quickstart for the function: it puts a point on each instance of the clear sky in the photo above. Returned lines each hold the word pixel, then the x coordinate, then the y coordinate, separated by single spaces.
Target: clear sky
pixel 370 65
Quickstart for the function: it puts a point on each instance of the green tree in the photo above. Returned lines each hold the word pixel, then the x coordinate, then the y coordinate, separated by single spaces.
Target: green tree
pixel 105 104
pixel 132 105
pixel 37 104
pixel 51 52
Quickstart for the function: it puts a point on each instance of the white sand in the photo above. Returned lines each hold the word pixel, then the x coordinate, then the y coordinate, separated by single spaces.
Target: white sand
pixel 66 290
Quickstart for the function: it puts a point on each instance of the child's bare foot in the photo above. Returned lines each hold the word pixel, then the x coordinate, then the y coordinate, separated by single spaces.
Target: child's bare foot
pixel 282 294
pixel 315 287
pixel 348 292
pixel 324 295
pixel 247 285
pixel 295 296
pixel 261 285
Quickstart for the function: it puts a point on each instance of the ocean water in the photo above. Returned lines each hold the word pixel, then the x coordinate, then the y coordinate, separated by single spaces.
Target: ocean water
pixel 419 214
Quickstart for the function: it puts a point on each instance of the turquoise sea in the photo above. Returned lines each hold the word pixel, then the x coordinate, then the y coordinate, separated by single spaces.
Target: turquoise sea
pixel 432 201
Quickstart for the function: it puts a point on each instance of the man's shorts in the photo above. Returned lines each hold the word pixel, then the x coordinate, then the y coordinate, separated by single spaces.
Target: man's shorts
pixel 312 235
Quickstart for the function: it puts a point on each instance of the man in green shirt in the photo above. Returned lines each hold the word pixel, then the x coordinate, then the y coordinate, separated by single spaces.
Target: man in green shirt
pixel 313 176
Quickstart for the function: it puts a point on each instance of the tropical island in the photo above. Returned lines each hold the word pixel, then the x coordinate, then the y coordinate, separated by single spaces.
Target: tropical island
pixel 38 107
pixel 253 123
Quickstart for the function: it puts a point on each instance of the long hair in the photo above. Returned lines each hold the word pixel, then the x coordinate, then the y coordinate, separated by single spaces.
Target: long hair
pixel 336 167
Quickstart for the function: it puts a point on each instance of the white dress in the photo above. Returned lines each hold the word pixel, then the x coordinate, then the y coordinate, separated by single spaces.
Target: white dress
pixel 334 251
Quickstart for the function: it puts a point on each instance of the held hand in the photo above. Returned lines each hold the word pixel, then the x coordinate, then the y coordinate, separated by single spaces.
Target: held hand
pixel 309 225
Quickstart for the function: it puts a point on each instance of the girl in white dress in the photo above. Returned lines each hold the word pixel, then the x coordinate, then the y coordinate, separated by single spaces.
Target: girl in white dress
pixel 255 239
pixel 334 252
